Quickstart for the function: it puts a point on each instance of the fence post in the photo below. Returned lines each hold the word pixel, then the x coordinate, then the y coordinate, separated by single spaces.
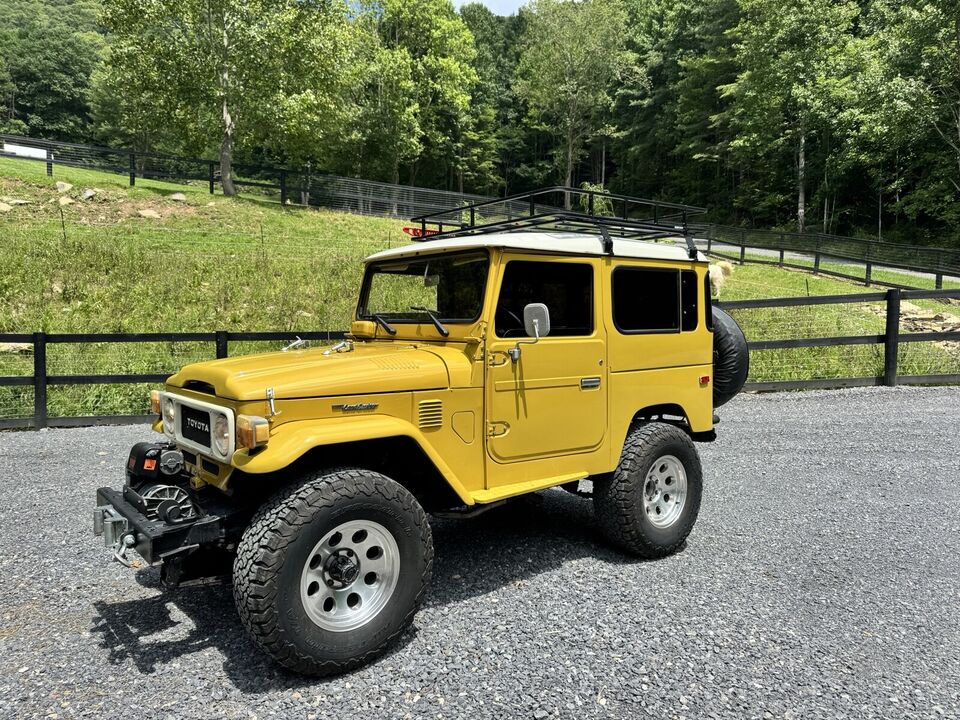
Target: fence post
pixel 133 169
pixel 283 187
pixel 891 341
pixel 868 279
pixel 816 258
pixel 222 337
pixel 783 242
pixel 39 380
pixel 211 178
pixel 743 254
pixel 49 163
pixel 939 276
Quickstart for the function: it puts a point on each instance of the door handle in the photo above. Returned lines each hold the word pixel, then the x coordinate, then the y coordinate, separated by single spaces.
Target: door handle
pixel 588 383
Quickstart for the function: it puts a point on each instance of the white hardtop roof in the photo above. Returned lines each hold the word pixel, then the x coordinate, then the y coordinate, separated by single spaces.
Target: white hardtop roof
pixel 561 243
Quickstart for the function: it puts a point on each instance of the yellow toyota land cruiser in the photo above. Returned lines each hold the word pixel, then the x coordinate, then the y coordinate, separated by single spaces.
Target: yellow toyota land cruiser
pixel 492 359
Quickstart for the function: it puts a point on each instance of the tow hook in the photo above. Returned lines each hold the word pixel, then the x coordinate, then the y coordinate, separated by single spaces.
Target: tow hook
pixel 120 550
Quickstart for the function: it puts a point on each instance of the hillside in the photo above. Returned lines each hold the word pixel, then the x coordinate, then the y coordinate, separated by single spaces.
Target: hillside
pixel 209 262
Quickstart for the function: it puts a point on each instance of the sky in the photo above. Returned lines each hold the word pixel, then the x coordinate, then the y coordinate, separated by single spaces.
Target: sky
pixel 500 7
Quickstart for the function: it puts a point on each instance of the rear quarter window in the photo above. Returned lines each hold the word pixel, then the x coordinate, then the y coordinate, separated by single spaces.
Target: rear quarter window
pixel 646 300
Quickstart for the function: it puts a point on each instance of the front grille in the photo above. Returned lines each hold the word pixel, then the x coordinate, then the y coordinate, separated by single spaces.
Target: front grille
pixel 431 413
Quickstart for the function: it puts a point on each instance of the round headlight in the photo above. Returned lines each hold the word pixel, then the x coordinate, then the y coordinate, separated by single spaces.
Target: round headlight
pixel 221 434
pixel 169 412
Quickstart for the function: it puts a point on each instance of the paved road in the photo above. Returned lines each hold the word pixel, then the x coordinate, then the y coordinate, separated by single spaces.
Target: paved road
pixel 821 581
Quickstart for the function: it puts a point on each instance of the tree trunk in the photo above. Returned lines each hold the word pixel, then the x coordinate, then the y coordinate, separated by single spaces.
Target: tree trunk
pixel 801 181
pixel 880 215
pixel 603 164
pixel 569 178
pixel 226 153
pixel 396 181
pixel 226 146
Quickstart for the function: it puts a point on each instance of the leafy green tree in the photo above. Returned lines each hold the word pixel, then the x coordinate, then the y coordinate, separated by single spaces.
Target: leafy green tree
pixel 794 79
pixel 501 113
pixel 49 51
pixel 440 50
pixel 573 55
pixel 264 72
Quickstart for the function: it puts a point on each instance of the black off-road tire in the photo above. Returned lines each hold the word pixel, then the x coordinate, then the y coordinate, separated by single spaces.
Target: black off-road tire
pixel 731 358
pixel 619 498
pixel 282 536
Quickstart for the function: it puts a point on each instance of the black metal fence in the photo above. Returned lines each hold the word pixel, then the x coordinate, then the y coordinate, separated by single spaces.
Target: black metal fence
pixel 787 249
pixel 40 380
pixel 891 341
pixel 296 187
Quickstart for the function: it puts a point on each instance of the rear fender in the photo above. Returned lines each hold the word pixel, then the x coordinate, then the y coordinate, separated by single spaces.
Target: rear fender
pixel 292 440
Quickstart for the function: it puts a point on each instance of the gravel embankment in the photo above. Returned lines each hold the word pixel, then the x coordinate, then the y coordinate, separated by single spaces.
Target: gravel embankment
pixel 821 581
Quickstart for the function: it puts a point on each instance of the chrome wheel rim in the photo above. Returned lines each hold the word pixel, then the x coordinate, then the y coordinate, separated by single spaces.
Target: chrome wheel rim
pixel 350 575
pixel 665 491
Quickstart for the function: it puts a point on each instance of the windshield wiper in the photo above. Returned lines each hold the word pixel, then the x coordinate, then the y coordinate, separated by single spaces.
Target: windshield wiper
pixel 433 318
pixel 383 323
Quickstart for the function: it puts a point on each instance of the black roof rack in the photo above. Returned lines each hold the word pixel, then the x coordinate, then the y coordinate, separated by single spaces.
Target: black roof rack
pixel 552 208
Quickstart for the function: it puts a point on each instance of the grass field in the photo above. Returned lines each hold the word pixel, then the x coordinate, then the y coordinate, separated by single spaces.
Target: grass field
pixel 244 263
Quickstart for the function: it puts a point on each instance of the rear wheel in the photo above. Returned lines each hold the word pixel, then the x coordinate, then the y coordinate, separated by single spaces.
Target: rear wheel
pixel 648 506
pixel 330 571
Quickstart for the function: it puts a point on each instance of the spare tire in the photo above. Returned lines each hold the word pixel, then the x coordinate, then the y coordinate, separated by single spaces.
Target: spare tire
pixel 731 357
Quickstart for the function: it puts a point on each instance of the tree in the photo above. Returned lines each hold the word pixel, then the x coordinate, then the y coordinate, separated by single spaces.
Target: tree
pixel 440 50
pixel 794 79
pixel 265 71
pixel 49 51
pixel 918 103
pixel 573 53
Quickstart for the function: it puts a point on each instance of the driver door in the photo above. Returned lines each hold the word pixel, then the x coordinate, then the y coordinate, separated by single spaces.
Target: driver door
pixel 551 401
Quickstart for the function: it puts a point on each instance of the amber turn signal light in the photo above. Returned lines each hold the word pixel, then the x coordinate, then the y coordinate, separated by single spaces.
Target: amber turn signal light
pixel 252 431
pixel 155 402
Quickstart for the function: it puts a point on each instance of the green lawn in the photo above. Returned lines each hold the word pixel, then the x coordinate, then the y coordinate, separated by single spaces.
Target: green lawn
pixel 247 264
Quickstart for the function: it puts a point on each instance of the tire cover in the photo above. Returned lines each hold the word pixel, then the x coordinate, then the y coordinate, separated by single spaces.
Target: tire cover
pixel 731 357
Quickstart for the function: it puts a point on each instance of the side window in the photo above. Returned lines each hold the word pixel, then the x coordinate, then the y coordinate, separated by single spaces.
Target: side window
pixel 646 300
pixel 565 288
pixel 688 300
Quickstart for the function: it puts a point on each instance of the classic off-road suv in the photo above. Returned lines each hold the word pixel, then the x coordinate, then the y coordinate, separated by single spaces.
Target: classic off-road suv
pixel 500 357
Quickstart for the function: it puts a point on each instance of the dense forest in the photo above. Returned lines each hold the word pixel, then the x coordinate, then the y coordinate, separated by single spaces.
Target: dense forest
pixel 821 115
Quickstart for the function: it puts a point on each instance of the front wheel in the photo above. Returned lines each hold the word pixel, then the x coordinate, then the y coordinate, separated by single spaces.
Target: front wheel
pixel 648 506
pixel 330 571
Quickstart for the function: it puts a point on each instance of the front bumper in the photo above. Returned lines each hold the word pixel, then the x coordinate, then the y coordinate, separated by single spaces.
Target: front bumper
pixel 119 517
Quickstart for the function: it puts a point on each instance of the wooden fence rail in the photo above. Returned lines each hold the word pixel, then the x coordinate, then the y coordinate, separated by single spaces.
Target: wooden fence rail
pixel 891 340
pixel 40 380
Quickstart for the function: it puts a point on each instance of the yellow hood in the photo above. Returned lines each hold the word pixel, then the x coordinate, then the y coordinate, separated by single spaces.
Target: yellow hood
pixel 368 368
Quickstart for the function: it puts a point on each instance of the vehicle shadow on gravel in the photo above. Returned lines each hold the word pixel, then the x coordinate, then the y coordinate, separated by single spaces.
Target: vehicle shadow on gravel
pixel 506 545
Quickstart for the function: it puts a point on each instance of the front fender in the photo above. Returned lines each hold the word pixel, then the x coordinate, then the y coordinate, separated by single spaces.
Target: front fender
pixel 291 440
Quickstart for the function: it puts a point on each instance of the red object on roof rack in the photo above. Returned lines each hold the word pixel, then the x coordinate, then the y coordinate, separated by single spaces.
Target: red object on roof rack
pixel 419 232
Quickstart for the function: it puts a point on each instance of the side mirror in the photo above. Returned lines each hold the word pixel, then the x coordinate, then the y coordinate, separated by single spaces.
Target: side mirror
pixel 536 320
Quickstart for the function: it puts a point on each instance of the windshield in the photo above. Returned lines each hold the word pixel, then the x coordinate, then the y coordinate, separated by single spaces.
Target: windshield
pixel 450 286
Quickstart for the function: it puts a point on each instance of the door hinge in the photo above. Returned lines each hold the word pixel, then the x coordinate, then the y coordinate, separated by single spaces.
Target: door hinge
pixel 497 358
pixel 497 428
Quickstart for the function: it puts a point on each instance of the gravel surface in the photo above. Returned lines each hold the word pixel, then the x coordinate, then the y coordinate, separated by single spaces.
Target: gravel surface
pixel 821 581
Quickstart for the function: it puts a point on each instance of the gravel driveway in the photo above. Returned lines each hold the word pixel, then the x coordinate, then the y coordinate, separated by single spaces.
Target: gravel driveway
pixel 822 580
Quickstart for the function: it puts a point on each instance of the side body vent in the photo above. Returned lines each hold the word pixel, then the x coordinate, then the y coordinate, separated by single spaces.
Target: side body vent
pixel 431 413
